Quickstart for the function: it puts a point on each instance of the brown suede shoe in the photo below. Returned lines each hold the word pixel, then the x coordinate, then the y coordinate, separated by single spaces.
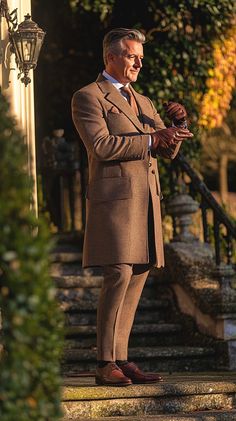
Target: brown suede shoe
pixel 111 375
pixel 132 371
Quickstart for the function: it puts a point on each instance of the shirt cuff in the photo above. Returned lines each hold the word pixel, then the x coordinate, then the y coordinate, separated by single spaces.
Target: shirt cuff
pixel 149 142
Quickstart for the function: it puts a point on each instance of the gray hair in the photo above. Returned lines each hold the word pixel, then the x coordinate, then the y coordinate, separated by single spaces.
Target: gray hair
pixel 112 41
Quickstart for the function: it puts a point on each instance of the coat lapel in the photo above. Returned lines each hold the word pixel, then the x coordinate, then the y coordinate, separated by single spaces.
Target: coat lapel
pixel 113 96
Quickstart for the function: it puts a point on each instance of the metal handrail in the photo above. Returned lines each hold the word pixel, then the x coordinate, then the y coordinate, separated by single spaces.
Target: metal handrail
pixel 201 187
pixel 208 201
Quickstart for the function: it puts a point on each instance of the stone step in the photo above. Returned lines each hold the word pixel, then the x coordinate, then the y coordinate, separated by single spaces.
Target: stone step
pixel 78 294
pixel 141 353
pixel 154 334
pixel 88 280
pixel 193 416
pixel 66 256
pixel 72 269
pixel 80 304
pixel 89 318
pixel 170 365
pixel 81 398
pixel 140 329
pixel 78 281
pixel 90 293
pixel 162 358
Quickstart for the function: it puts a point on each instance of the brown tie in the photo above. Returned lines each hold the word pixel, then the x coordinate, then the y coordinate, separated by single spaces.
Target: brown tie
pixel 130 98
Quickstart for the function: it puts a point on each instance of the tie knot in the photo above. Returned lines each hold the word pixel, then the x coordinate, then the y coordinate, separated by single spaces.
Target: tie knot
pixel 126 90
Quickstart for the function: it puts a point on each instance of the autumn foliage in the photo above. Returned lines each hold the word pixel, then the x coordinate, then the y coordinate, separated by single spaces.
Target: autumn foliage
pixel 220 83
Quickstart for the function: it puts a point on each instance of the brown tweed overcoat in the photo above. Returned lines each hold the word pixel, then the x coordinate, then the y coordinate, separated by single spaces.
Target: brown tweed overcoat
pixel 121 175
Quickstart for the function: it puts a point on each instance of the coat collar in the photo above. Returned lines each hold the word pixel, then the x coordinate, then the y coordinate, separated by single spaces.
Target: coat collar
pixel 112 95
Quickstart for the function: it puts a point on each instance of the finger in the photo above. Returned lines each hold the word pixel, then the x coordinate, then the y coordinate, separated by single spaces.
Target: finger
pixel 172 104
pixel 183 131
pixel 181 139
pixel 179 117
pixel 181 135
pixel 187 136
pixel 175 105
pixel 173 109
pixel 180 113
pixel 177 111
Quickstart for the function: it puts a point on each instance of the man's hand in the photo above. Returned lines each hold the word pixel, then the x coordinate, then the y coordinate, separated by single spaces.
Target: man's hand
pixel 167 137
pixel 175 111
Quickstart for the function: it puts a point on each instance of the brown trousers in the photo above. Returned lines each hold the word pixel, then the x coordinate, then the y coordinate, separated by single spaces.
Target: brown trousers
pixel 119 298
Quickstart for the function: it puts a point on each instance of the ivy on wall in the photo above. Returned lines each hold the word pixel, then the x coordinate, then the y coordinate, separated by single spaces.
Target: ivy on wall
pixel 183 37
pixel 31 332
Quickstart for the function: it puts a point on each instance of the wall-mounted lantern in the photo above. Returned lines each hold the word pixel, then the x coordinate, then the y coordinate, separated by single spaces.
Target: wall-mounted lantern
pixel 26 40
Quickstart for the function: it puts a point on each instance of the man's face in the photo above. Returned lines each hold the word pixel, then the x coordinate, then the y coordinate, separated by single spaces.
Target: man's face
pixel 126 65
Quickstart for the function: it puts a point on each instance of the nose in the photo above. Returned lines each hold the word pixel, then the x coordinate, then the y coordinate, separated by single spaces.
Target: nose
pixel 138 62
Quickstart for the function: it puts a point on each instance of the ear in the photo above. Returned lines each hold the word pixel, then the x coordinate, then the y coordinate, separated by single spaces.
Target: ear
pixel 110 57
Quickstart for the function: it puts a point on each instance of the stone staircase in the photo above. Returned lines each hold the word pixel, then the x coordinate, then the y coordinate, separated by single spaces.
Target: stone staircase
pixel 162 340
pixel 182 397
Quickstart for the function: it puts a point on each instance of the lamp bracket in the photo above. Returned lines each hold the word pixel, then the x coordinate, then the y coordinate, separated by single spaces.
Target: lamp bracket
pixel 11 17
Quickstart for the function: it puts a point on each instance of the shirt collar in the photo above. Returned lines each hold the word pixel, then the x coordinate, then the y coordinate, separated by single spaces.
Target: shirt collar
pixel 114 82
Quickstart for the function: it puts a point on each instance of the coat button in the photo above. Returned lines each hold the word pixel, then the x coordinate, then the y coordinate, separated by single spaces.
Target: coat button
pixel 150 164
pixel 153 171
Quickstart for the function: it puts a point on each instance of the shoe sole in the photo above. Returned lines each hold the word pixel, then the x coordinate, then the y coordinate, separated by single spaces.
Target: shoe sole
pixel 148 382
pixel 101 383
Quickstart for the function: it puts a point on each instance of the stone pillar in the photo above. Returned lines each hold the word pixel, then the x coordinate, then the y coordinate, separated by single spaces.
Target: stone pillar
pixel 181 206
pixel 21 98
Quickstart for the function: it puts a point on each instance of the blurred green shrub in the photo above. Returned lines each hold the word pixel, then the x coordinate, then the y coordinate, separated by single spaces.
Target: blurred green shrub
pixel 31 320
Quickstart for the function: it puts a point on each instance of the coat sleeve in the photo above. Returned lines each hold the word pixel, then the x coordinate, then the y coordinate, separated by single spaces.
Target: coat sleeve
pixel 172 150
pixel 88 117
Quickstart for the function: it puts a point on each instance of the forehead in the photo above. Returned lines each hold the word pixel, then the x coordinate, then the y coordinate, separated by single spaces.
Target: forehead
pixel 131 46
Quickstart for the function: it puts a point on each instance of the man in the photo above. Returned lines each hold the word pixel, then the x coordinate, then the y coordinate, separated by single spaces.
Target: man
pixel 122 133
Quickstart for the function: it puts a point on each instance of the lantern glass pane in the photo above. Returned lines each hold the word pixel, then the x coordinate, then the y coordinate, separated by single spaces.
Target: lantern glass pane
pixel 28 49
pixel 38 46
pixel 18 47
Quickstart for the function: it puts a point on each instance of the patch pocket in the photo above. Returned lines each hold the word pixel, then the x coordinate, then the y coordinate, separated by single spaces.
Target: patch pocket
pixel 108 189
pixel 111 170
